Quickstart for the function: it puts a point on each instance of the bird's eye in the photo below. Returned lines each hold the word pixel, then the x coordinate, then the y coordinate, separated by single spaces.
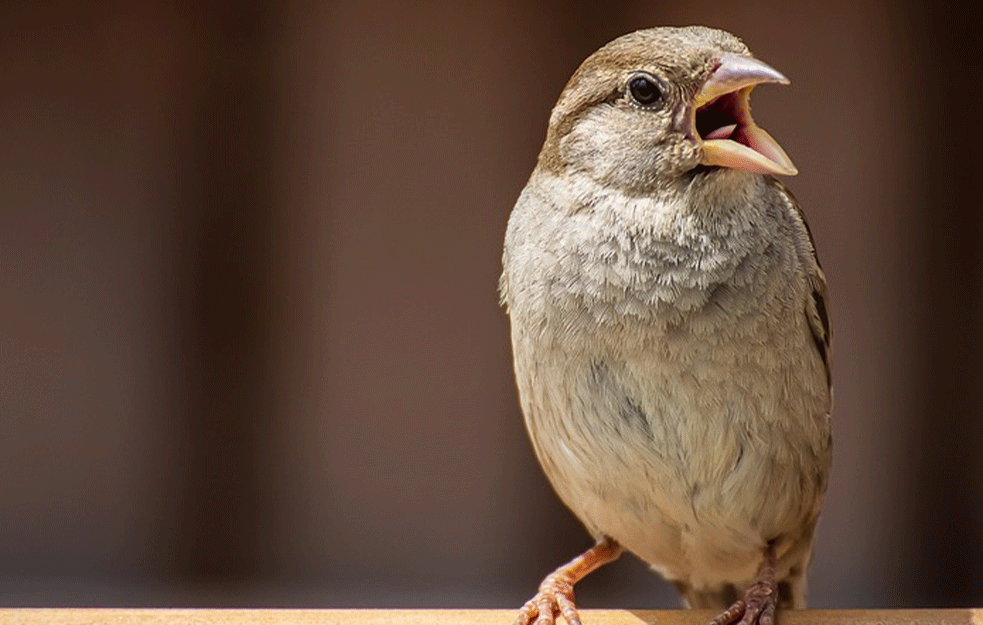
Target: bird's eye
pixel 645 89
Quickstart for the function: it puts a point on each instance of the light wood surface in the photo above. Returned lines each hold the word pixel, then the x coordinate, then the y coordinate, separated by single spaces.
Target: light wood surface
pixel 30 616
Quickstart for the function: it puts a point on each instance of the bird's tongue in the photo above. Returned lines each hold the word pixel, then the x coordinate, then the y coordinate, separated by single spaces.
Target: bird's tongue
pixel 724 132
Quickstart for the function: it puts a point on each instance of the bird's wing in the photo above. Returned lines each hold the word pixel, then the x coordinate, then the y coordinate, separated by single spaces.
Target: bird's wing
pixel 816 309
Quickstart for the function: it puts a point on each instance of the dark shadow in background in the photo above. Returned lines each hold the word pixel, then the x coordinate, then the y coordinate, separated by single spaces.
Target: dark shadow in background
pixel 226 511
pixel 946 491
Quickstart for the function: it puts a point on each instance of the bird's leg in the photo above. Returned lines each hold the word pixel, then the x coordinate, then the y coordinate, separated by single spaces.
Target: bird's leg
pixel 760 599
pixel 555 596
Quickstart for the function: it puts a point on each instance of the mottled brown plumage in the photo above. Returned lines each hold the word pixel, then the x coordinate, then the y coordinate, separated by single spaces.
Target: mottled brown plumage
pixel 669 327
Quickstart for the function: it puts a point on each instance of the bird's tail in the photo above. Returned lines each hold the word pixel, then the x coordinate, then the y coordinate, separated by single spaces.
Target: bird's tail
pixel 719 598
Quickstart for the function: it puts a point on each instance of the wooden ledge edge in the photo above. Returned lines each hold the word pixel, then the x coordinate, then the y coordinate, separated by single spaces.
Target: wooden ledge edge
pixel 122 616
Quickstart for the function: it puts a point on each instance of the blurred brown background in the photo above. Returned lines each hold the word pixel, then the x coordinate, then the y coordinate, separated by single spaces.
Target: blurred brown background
pixel 250 348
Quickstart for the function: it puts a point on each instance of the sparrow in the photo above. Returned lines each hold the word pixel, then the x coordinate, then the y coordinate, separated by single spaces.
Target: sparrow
pixel 669 328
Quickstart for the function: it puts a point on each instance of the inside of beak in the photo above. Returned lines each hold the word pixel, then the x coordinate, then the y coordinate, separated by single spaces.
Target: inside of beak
pixel 722 120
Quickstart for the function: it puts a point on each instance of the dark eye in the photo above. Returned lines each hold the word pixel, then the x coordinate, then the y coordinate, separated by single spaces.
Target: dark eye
pixel 645 89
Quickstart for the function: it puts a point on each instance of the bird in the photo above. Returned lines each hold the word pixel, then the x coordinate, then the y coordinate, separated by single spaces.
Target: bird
pixel 669 328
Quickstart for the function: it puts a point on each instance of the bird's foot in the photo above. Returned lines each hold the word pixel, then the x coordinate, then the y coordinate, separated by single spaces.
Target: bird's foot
pixel 555 597
pixel 756 608
pixel 760 599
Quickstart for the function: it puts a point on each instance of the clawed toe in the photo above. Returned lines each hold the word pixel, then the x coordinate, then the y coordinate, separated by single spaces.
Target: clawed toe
pixel 555 598
pixel 756 608
pixel 760 599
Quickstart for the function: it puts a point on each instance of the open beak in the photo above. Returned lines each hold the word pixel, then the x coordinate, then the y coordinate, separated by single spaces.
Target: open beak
pixel 722 119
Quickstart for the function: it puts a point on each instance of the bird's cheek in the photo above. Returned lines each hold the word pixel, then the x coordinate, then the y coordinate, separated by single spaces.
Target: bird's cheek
pixel 595 144
pixel 685 153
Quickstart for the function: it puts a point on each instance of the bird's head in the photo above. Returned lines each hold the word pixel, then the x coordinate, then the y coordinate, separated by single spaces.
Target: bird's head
pixel 654 105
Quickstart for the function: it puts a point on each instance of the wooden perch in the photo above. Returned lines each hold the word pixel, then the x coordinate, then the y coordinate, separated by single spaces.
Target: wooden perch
pixel 69 616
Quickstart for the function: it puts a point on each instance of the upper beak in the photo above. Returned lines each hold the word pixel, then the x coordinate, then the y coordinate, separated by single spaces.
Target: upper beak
pixel 722 119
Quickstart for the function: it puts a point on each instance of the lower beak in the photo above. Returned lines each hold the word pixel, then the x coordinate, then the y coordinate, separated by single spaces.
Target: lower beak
pixel 722 119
